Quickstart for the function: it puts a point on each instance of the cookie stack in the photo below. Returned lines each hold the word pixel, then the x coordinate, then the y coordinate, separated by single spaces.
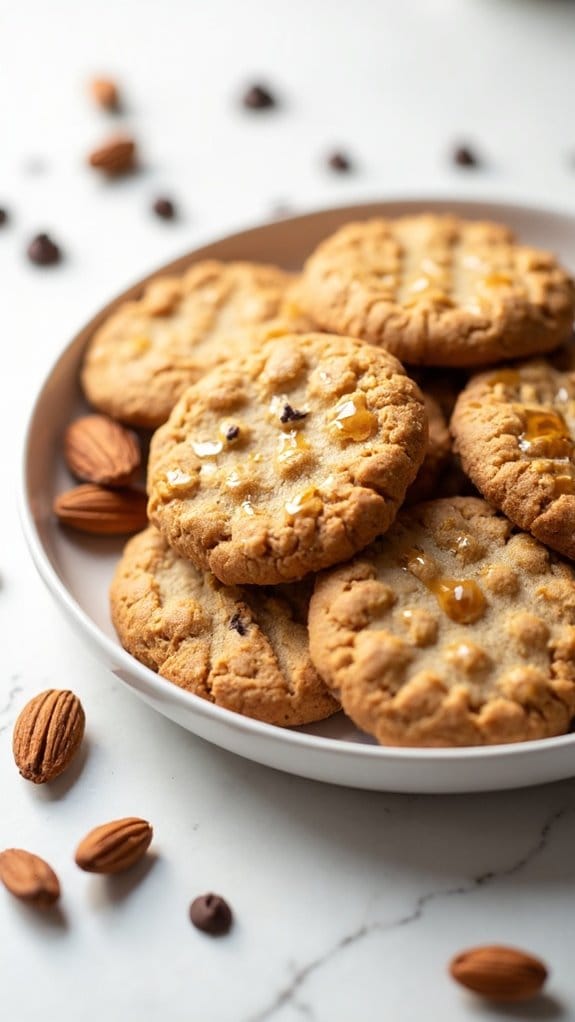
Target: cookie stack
pixel 290 435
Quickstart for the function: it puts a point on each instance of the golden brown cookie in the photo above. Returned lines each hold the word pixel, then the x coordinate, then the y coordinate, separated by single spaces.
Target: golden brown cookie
pixel 149 350
pixel 437 290
pixel 514 430
pixel 438 450
pixel 454 629
pixel 246 650
pixel 287 459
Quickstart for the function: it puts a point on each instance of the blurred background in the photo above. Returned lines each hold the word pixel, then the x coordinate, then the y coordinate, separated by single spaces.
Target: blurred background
pixel 396 89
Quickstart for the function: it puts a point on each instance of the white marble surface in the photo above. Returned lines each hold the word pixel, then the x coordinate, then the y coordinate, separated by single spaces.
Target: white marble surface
pixel 348 904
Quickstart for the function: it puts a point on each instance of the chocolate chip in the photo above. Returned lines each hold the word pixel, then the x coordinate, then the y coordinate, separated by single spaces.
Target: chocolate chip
pixel 232 433
pixel 43 251
pixel 3 216
pixel 164 208
pixel 463 156
pixel 339 162
pixel 237 624
pixel 258 97
pixel 211 914
pixel 290 414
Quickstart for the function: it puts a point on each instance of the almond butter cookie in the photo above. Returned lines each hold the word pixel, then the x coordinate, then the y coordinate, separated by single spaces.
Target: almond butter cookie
pixel 514 430
pixel 287 459
pixel 244 649
pixel 149 350
pixel 454 629
pixel 437 290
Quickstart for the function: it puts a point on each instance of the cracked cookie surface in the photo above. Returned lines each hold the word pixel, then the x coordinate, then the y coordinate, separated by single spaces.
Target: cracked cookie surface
pixel 287 459
pixel 245 650
pixel 514 431
pixel 437 290
pixel 454 629
pixel 150 349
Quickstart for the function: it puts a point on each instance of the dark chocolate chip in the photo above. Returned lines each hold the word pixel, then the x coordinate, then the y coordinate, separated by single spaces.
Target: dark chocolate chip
pixel 339 162
pixel 43 251
pixel 211 914
pixel 232 433
pixel 164 208
pixel 237 624
pixel 257 97
pixel 463 156
pixel 3 216
pixel 290 414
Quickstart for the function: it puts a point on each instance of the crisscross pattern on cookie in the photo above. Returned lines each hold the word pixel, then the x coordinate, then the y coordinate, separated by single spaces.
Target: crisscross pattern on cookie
pixel 439 290
pixel 453 630
pixel 242 649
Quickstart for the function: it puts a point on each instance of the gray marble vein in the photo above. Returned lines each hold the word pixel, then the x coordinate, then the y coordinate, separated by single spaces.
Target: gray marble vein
pixel 5 711
pixel 287 995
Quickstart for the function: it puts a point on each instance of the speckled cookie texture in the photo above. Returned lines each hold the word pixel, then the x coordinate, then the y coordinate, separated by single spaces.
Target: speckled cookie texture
pixel 514 430
pixel 437 290
pixel 288 459
pixel 436 456
pixel 149 350
pixel 454 629
pixel 246 650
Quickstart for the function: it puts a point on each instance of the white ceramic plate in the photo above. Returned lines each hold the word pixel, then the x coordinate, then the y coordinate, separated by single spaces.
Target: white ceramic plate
pixel 77 569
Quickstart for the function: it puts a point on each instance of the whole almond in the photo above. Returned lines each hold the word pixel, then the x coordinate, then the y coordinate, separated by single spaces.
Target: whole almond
pixel 499 973
pixel 28 877
pixel 105 93
pixel 99 450
pixel 48 734
pixel 94 509
pixel 115 846
pixel 116 156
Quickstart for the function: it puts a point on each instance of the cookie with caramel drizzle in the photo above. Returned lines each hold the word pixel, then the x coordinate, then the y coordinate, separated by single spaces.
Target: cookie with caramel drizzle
pixel 453 629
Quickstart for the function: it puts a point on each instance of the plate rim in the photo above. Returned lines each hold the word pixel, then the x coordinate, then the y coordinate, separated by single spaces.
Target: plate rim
pixel 160 687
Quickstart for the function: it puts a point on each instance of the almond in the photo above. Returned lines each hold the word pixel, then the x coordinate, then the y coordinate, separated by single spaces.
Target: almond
pixel 105 93
pixel 99 450
pixel 91 508
pixel 115 846
pixel 116 156
pixel 499 973
pixel 47 734
pixel 28 877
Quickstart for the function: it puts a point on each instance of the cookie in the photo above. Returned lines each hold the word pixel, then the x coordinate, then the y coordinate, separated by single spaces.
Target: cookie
pixel 514 430
pixel 149 350
pixel 454 629
pixel 246 650
pixel 439 291
pixel 287 459
pixel 436 456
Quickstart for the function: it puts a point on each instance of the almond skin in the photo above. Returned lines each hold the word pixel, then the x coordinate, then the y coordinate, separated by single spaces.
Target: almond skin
pixel 115 846
pixel 499 973
pixel 92 508
pixel 99 450
pixel 29 878
pixel 116 156
pixel 48 734
pixel 105 93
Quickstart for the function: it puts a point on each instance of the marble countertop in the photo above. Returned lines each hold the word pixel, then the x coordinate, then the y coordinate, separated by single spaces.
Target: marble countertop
pixel 348 904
